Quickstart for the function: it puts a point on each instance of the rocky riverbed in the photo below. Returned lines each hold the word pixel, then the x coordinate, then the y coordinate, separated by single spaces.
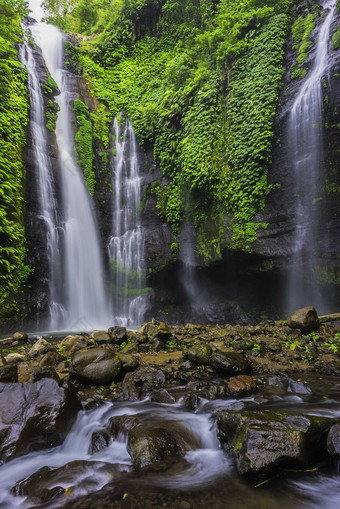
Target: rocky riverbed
pixel 177 407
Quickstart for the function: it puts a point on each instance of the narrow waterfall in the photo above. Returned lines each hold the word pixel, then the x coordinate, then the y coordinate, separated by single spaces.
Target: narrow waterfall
pixel 126 246
pixel 45 181
pixel 305 140
pixel 83 302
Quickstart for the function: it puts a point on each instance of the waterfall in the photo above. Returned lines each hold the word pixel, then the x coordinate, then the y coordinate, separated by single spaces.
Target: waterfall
pixel 82 302
pixel 45 182
pixel 305 133
pixel 126 246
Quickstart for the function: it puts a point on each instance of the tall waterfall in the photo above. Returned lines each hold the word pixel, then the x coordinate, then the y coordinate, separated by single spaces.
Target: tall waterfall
pixel 126 247
pixel 306 147
pixel 82 302
pixel 45 181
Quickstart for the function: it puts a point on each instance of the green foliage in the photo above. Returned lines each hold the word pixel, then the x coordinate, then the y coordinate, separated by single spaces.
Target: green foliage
pixel 200 81
pixel 14 118
pixel 84 143
pixel 336 39
pixel 301 31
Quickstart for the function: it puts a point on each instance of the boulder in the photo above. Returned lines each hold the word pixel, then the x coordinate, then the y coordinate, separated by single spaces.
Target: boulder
pixel 241 385
pixel 141 382
pixel 40 347
pixel 162 396
pixel 100 336
pixel 298 387
pixel 117 334
pixel 230 363
pixel 21 337
pixel 34 416
pixel 260 442
pixel 9 373
pixel 199 354
pixel 99 441
pixel 333 440
pixel 156 445
pixel 71 344
pixel 13 358
pixel 50 359
pixel 97 366
pixel 44 372
pixel 128 362
pixel 305 319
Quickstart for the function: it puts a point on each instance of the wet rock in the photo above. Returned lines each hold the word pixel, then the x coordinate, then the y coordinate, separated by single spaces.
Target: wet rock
pixel 100 336
pixel 148 329
pixel 8 373
pixel 305 319
pixel 21 337
pixel 13 358
pixel 162 396
pixel 40 347
pixel 141 382
pixel 279 382
pixel 45 484
pixel 71 344
pixel 118 334
pixel 230 363
pixel 99 441
pixel 298 387
pixel 50 359
pixel 155 445
pixel 241 385
pixel 333 440
pixel 128 362
pixel 34 416
pixel 199 354
pixel 155 329
pixel 186 366
pixel 158 346
pixel 44 372
pixel 191 401
pixel 97 366
pixel 263 441
pixel 122 424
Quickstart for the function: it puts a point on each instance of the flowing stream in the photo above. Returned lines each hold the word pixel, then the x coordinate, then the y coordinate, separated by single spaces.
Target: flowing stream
pixel 126 246
pixel 78 296
pixel 306 148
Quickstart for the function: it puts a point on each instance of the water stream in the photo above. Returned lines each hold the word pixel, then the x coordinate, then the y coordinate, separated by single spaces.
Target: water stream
pixel 305 141
pixel 126 246
pixel 78 296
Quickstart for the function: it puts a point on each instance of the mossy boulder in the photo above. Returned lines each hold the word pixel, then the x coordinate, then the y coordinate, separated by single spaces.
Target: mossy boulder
pixel 199 354
pixel 230 363
pixel 99 366
pixel 261 442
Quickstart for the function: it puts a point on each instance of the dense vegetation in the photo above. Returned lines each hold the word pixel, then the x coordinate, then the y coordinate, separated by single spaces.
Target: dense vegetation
pixel 200 81
pixel 14 117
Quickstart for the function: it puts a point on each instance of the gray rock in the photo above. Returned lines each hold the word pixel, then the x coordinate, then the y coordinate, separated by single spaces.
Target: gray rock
pixel 99 441
pixel 298 387
pixel 140 383
pixel 162 396
pixel 9 373
pixel 230 363
pixel 155 445
pixel 305 319
pixel 44 372
pixel 34 416
pixel 199 354
pixel 118 334
pixel 333 440
pixel 260 442
pixel 97 366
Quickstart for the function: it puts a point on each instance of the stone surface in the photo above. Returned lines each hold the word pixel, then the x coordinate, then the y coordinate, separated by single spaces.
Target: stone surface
pixel 118 334
pixel 34 416
pixel 22 337
pixel 40 347
pixel 97 366
pixel 333 440
pixel 230 363
pixel 13 358
pixel 241 385
pixel 71 344
pixel 305 319
pixel 260 442
pixel 141 382
pixel 8 373
pixel 199 354
pixel 100 336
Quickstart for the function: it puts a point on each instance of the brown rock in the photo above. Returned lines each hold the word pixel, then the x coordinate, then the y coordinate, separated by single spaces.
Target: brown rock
pixel 241 385
pixel 305 319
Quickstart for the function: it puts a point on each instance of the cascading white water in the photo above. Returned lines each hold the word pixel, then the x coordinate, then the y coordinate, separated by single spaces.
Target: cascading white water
pixel 45 181
pixel 306 149
pixel 126 246
pixel 83 302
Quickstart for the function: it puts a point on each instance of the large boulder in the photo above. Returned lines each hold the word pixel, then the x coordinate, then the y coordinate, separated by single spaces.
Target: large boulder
pixel 98 366
pixel 305 319
pixel 155 445
pixel 142 382
pixel 34 416
pixel 118 334
pixel 263 441
pixel 230 363
pixel 40 347
pixel 100 336
pixel 72 343
pixel 199 354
